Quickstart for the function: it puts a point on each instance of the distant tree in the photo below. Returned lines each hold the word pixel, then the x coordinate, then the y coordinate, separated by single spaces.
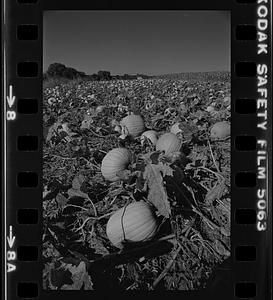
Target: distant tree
pixel 104 75
pixel 126 76
pixel 55 70
pixel 60 70
pixel 93 77
pixel 70 73
pixel 82 74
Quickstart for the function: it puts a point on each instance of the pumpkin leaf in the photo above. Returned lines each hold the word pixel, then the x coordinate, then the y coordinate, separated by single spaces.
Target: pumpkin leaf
pixel 97 245
pixel 80 278
pixel 76 193
pixel 78 181
pixel 157 195
pixel 124 174
pixel 60 277
pixel 51 132
pixel 60 225
pixel 86 123
pixel 220 248
pixel 61 200
pixel 215 193
pixel 224 231
pixel 188 129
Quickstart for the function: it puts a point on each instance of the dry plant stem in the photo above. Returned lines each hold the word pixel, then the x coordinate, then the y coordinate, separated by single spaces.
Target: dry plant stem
pixel 90 163
pixel 186 241
pixel 101 129
pixel 184 246
pixel 211 224
pixel 93 205
pixel 193 196
pixel 53 234
pixel 167 237
pixel 131 286
pixel 77 206
pixel 207 189
pixel 75 158
pixel 213 158
pixel 113 200
pixel 167 268
pixel 96 134
pixel 223 139
pixel 61 157
pixel 83 224
pixel 92 230
pixel 94 218
pixel 209 170
pixel 198 238
pixel 206 245
pixel 227 209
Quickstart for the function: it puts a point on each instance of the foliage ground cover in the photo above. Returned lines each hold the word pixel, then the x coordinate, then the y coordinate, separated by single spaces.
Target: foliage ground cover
pixel 190 190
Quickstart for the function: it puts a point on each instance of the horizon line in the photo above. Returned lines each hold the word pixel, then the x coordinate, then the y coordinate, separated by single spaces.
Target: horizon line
pixel 162 74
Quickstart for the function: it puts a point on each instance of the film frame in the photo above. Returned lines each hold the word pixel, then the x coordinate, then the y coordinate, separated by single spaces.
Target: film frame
pixel 22 61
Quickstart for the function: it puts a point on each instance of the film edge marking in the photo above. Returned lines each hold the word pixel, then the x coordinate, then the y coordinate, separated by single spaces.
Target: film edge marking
pixel 262 25
pixel 11 253
pixel 11 114
pixel 262 125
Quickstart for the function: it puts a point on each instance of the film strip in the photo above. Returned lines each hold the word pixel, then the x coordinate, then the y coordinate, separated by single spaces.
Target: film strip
pixel 251 124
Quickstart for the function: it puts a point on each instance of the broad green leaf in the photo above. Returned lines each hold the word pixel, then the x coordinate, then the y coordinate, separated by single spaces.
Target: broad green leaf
pixel 157 195
pixel 78 181
pixel 79 277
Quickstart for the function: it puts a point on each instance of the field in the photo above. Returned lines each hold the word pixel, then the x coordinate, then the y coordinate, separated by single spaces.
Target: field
pixel 189 189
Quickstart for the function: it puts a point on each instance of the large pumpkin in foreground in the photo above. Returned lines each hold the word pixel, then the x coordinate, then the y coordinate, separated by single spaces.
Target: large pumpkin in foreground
pixel 220 130
pixel 115 161
pixel 134 124
pixel 169 143
pixel 135 222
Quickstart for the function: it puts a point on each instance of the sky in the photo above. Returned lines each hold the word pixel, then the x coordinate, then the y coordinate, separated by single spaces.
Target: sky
pixel 144 42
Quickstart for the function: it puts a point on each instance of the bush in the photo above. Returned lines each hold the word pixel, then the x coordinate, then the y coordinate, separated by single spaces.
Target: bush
pixel 60 70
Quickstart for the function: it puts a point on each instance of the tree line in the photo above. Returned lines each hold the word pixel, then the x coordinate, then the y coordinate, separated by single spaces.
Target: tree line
pixel 57 70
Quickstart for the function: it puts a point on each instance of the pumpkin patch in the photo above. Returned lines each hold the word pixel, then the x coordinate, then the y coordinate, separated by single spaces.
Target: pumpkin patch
pixel 133 193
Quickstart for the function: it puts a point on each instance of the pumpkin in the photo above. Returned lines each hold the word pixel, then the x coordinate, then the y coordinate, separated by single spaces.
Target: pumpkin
pixel 210 109
pixel 100 108
pixel 169 143
pixel 175 128
pixel 220 130
pixel 117 129
pixel 113 162
pixel 134 124
pixel 151 135
pixel 135 222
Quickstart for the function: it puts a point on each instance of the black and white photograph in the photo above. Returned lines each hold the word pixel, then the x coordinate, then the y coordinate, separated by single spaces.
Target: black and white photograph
pixel 136 149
